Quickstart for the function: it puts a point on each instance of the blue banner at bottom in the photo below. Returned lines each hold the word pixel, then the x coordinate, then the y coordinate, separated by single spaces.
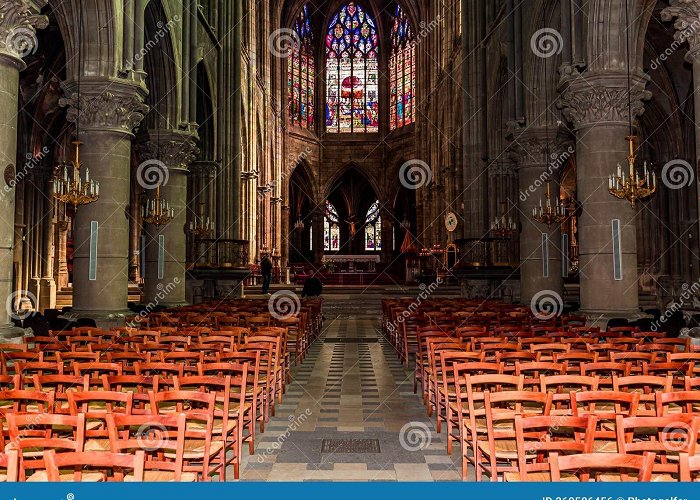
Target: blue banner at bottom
pixel 337 491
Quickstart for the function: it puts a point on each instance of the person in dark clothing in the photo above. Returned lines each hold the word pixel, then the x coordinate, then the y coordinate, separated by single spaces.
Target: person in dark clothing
pixel 312 287
pixel 266 271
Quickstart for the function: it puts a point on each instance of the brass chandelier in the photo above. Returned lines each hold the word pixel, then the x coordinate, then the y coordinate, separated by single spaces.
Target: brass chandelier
pixel 157 211
pixel 503 226
pixel 548 212
pixel 70 188
pixel 635 187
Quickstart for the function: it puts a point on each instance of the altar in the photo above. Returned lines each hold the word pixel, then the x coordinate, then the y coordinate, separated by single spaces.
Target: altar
pixel 352 263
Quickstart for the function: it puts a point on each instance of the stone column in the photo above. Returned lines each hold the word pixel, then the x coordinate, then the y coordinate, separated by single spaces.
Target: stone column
pixel 597 105
pixel 17 39
pixel 538 241
pixel 166 246
pixel 687 23
pixel 109 111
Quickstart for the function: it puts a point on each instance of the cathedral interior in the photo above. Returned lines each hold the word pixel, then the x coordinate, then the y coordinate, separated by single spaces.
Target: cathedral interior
pixel 164 157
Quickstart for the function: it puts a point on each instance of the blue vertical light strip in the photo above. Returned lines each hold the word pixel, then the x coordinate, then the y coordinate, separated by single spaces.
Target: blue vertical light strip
pixel 617 249
pixel 92 265
pixel 565 263
pixel 545 255
pixel 142 256
pixel 161 256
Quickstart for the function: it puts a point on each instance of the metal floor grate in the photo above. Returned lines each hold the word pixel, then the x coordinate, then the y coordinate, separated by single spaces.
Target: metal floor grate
pixel 350 446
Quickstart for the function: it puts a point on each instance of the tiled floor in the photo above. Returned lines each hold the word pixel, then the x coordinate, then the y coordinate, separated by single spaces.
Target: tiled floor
pixel 351 390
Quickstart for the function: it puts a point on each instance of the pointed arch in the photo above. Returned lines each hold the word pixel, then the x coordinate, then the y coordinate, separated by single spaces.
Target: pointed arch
pixel 352 71
pixel 301 73
pixel 402 70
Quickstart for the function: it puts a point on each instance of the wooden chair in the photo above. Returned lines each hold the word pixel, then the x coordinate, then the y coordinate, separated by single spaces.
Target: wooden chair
pixel 646 386
pixel 666 437
pixel 201 447
pixel 32 435
pixel 561 387
pixel 9 463
pixel 156 435
pixel 689 467
pixel 498 453
pixel 606 406
pixel 96 405
pixel 582 465
pixel 539 436
pixel 110 466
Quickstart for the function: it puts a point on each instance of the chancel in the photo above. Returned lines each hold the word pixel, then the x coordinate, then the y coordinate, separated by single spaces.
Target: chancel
pixel 349 240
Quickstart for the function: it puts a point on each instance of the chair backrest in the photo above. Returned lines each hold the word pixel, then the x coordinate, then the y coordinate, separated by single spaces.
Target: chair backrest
pixel 154 434
pixel 538 436
pixel 689 467
pixel 583 464
pixel 9 462
pixel 111 464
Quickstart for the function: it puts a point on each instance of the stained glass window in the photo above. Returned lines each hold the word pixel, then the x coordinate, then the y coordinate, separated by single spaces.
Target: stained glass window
pixel 302 73
pixel 352 72
pixel 402 70
pixel 331 230
pixel 373 229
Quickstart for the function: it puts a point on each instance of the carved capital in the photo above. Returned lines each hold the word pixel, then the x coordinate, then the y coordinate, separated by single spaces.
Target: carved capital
pixel 174 148
pixel 107 107
pixel 19 21
pixel 587 100
pixel 686 14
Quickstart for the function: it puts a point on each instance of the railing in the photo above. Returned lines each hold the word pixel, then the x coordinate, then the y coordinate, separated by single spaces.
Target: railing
pixel 487 252
pixel 209 253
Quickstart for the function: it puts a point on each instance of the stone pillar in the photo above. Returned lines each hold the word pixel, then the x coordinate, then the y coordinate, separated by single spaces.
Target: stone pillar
pixel 109 111
pixel 17 39
pixel 687 23
pixel 597 105
pixel 538 241
pixel 387 218
pixel 166 246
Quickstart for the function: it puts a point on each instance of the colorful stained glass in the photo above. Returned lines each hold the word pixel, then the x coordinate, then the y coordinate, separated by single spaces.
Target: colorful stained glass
pixel 331 230
pixel 302 73
pixel 373 229
pixel 402 70
pixel 352 72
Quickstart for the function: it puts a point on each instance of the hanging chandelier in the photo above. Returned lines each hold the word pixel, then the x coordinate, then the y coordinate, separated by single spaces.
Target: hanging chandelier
pixel 503 226
pixel 549 212
pixel 636 186
pixel 157 211
pixel 299 224
pixel 70 188
pixel 201 227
